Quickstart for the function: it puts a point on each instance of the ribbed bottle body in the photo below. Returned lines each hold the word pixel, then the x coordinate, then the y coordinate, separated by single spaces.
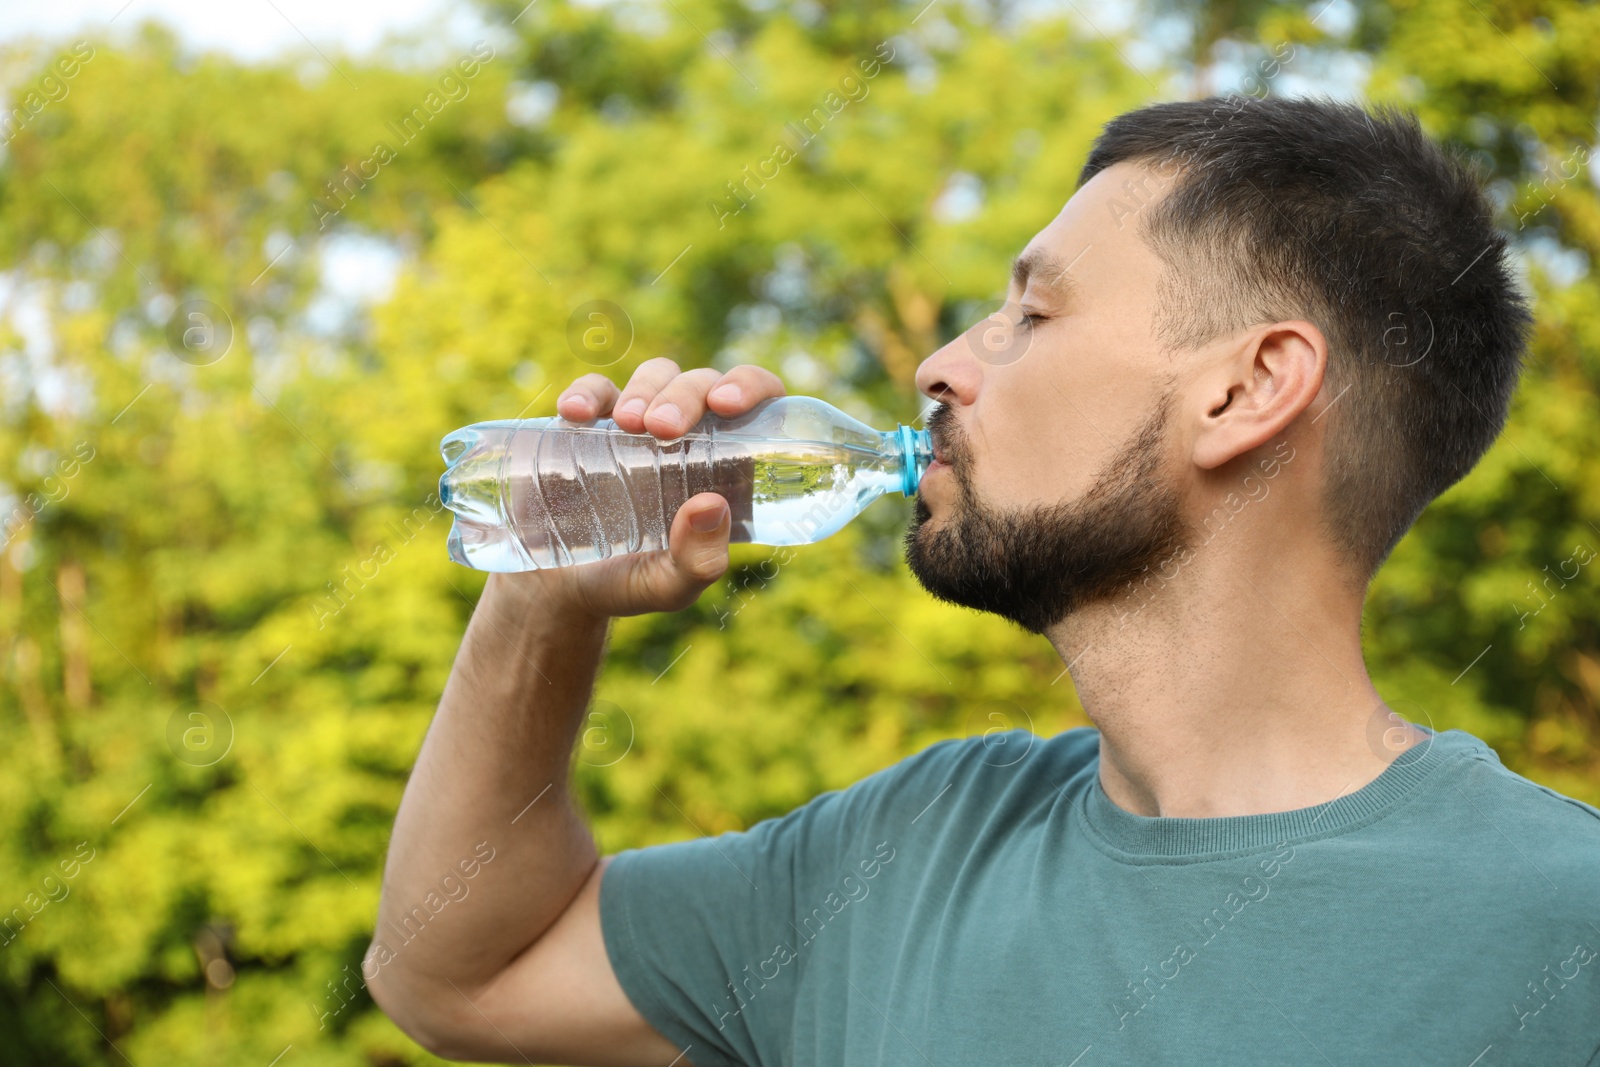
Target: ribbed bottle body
pixel 537 493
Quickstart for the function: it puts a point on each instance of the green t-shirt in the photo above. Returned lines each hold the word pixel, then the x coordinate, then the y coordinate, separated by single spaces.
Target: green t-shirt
pixel 984 902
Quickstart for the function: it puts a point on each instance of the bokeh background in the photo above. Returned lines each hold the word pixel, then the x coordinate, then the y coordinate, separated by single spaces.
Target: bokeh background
pixel 256 263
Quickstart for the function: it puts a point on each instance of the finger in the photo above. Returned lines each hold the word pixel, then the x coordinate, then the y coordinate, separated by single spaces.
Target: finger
pixel 648 380
pixel 695 557
pixel 742 388
pixel 590 397
pixel 637 582
pixel 681 403
pixel 698 541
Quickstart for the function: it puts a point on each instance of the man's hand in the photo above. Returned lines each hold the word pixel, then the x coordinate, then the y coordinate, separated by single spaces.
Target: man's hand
pixel 664 401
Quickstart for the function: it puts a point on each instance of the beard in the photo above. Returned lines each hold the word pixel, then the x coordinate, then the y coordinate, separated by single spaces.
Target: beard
pixel 1037 565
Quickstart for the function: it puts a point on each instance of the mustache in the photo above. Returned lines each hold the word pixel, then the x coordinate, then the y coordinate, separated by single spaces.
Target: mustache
pixel 949 440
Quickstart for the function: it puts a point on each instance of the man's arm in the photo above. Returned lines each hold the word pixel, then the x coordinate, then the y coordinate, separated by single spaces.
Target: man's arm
pixel 488 941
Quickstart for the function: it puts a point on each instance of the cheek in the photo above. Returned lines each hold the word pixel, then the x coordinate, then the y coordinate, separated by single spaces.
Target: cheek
pixel 1035 440
pixel 1018 437
pixel 1052 421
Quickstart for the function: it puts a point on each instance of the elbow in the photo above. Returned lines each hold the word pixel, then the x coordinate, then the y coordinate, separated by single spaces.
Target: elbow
pixel 416 1012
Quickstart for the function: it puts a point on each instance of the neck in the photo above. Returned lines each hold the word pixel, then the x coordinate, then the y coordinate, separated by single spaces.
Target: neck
pixel 1234 687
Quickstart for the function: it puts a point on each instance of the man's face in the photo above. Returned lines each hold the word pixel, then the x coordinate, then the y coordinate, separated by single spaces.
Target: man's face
pixel 1054 480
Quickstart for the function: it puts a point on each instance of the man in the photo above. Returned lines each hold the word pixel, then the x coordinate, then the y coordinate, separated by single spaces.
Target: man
pixel 1253 345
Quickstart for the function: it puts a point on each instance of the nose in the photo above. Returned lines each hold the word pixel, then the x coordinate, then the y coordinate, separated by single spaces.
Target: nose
pixel 951 375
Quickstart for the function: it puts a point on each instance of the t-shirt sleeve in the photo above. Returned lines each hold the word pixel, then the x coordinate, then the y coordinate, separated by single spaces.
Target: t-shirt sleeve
pixel 698 931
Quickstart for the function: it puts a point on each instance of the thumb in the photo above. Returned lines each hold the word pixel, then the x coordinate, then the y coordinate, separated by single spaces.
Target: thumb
pixel 698 542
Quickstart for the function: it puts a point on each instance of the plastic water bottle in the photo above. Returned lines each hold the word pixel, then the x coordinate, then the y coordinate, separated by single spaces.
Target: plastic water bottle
pixel 530 494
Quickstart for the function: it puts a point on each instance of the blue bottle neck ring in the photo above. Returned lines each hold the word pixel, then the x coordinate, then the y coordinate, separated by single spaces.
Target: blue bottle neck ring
pixel 916 452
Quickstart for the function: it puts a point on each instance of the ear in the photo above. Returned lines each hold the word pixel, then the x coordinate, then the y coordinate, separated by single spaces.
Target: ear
pixel 1258 389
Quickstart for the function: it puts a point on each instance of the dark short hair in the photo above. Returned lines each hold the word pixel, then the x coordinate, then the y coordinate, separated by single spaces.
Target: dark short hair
pixel 1356 221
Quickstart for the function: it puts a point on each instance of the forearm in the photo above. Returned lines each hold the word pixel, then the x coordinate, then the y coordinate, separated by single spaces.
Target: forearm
pixel 463 932
pixel 488 846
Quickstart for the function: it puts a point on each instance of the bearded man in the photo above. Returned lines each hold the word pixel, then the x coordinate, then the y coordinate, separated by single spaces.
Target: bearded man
pixel 1255 343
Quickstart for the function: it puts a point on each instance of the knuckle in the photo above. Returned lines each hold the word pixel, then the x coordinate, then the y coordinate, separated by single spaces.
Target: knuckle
pixel 700 382
pixel 709 564
pixel 669 395
pixel 758 377
pixel 651 375
pixel 688 386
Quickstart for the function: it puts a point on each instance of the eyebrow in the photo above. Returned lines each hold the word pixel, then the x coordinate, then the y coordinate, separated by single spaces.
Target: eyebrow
pixel 1048 269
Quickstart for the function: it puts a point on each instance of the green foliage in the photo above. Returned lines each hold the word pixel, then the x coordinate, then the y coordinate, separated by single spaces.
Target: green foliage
pixel 223 633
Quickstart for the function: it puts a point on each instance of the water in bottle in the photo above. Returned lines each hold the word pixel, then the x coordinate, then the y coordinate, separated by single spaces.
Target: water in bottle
pixel 529 494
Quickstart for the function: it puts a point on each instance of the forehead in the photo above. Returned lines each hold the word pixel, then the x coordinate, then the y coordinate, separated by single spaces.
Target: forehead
pixel 1092 248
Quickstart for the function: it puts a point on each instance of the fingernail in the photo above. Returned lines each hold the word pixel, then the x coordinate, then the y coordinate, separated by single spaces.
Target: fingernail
pixel 708 520
pixel 669 413
pixel 632 407
pixel 728 394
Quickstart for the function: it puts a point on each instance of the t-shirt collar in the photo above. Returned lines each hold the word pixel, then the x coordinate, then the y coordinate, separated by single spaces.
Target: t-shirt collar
pixel 1147 837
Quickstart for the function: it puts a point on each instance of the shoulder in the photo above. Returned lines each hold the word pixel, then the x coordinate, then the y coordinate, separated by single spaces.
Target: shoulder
pixel 1503 833
pixel 1485 773
pixel 984 772
pixel 1068 751
pixel 982 769
pixel 1532 814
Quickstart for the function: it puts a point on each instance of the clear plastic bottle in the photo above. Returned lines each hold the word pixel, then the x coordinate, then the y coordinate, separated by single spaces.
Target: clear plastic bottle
pixel 536 493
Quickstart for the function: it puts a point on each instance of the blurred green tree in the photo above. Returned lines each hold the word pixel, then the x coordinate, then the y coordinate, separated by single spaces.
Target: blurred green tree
pixel 225 609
